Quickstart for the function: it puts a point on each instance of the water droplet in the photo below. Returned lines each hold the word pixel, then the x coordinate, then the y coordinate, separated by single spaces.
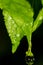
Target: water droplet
pixel 15 25
pixel 9 34
pixel 9 17
pixel 12 22
pixel 27 24
pixel 31 59
pixel 9 27
pixel 9 31
pixel 12 31
pixel 40 18
pixel 18 35
pixel 14 41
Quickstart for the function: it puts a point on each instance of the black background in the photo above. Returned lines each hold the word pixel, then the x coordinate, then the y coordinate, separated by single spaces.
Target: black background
pixel 6 56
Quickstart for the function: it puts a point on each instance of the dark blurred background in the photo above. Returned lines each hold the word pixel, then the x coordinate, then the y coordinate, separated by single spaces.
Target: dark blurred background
pixel 6 56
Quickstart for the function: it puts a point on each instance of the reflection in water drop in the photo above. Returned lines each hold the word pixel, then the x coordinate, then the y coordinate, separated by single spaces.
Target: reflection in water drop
pixel 29 60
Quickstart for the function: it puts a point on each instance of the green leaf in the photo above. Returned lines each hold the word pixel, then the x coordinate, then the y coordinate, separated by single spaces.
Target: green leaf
pixel 38 20
pixel 14 31
pixel 42 2
pixel 18 17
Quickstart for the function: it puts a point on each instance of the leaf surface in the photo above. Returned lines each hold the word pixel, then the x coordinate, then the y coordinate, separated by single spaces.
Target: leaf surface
pixel 18 17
